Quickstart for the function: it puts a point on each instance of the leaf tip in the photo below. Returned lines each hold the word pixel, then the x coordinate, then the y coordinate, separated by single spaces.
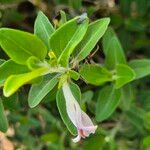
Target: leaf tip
pixel 31 105
pixel 107 20
pixel 6 93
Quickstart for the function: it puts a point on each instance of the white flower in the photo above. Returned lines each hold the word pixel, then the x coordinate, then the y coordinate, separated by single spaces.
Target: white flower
pixel 79 118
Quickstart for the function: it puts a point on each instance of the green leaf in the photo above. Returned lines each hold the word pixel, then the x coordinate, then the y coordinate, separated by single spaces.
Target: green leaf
pixel 2 61
pixel 57 40
pixel 87 100
pixel 33 63
pixel 73 42
pixel 141 67
pixel 124 75
pixel 20 45
pixel 14 82
pixel 147 120
pixel 112 49
pixel 95 74
pixel 43 28
pixel 63 18
pixel 95 142
pixel 108 101
pixel 51 96
pixel 87 96
pixel 61 104
pixel 11 103
pixel 9 68
pixel 94 32
pixel 63 47
pixel 74 75
pixel 3 119
pixel 76 4
pixel 136 116
pixel 126 97
pixel 39 91
pixel 146 142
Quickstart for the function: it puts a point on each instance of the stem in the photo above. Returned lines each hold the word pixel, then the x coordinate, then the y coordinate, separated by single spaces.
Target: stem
pixel 56 69
pixel 115 130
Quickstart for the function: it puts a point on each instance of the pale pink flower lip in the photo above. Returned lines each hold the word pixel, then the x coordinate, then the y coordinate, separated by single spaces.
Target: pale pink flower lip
pixel 78 117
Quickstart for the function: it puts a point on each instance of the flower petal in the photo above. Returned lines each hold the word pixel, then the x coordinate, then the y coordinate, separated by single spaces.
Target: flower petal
pixel 71 106
pixel 90 128
pixel 87 125
pixel 86 121
pixel 78 117
pixel 76 139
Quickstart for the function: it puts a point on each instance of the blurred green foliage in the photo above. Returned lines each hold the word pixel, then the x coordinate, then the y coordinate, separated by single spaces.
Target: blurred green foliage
pixel 41 127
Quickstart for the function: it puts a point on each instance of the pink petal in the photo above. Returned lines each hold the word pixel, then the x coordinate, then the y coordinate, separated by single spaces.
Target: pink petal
pixel 86 121
pixel 78 117
pixel 87 125
pixel 71 104
pixel 90 128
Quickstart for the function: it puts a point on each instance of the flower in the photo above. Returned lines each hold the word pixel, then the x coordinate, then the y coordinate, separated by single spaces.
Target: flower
pixel 78 117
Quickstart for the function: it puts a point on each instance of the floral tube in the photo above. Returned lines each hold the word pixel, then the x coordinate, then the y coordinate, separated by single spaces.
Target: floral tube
pixel 78 117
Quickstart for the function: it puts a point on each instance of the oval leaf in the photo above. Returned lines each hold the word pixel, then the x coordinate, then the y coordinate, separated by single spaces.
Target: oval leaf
pixel 136 116
pixel 20 45
pixel 73 42
pixel 14 82
pixel 126 97
pixel 74 75
pixel 57 40
pixel 141 67
pixel 43 28
pixel 112 49
pixel 95 74
pixel 124 75
pixel 94 32
pixel 63 18
pixel 108 101
pixel 10 68
pixel 70 30
pixel 39 91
